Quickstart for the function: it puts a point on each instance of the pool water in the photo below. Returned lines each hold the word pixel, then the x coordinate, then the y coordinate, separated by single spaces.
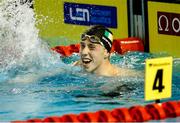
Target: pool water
pixel 36 82
pixel 49 92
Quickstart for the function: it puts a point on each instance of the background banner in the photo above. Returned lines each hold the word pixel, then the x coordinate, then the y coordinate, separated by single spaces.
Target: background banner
pixel 61 22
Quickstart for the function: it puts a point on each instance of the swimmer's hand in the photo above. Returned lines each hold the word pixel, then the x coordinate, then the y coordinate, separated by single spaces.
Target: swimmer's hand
pixel 76 63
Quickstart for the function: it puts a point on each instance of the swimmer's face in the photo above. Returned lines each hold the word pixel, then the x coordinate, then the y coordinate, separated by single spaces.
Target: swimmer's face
pixel 92 55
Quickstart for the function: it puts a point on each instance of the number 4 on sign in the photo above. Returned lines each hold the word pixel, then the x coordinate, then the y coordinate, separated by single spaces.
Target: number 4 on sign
pixel 158 82
pixel 158 77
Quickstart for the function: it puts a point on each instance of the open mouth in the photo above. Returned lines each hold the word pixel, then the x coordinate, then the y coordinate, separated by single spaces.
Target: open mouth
pixel 86 60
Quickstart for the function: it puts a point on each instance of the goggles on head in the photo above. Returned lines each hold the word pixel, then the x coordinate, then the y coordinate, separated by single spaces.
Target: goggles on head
pixel 92 38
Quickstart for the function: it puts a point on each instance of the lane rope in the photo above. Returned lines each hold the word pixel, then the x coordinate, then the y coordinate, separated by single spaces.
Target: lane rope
pixel 136 113
pixel 120 46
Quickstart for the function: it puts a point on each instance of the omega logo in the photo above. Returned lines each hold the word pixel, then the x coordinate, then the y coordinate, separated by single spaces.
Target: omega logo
pixel 168 23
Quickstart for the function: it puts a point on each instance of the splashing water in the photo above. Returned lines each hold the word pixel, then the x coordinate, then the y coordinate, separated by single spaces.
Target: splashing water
pixel 20 46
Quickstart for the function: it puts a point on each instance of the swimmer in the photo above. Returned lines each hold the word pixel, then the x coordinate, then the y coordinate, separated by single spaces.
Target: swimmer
pixel 95 47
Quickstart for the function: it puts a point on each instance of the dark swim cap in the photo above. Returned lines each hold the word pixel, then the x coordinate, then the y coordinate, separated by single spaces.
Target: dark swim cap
pixel 103 33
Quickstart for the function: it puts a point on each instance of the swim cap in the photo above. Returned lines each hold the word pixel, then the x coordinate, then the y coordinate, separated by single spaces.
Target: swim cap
pixel 103 33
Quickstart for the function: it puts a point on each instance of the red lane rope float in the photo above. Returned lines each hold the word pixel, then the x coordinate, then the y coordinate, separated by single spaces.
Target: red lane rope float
pixel 156 111
pixel 88 117
pixel 171 109
pixel 122 114
pixel 139 114
pixel 120 46
pixel 67 50
pixel 133 114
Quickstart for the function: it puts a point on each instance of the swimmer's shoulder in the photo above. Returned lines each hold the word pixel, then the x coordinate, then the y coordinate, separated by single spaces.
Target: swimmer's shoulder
pixel 128 72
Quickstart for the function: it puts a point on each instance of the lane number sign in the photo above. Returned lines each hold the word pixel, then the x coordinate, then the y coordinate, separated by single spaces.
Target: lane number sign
pixel 158 78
